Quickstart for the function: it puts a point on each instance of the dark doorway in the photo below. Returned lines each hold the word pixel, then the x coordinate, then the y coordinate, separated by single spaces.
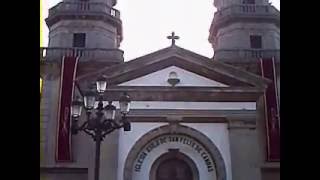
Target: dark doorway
pixel 174 169
pixel 174 165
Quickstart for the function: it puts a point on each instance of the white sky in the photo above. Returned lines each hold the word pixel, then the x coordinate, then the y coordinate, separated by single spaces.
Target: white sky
pixel 147 23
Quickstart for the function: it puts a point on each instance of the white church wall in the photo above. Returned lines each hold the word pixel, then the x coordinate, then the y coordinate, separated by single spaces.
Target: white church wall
pixel 159 78
pixel 216 132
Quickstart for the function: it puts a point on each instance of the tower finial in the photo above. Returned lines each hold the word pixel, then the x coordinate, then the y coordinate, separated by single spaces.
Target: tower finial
pixel 173 38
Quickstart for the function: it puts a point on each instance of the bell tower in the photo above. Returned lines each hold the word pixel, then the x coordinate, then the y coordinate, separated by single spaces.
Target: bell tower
pixel 242 31
pixel 89 28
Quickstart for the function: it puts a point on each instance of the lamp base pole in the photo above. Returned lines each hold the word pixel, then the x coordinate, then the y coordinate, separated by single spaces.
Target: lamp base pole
pixel 97 158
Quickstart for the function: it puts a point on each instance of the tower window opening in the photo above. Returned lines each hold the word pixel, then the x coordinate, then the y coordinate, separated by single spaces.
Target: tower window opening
pixel 79 40
pixel 113 12
pixel 256 42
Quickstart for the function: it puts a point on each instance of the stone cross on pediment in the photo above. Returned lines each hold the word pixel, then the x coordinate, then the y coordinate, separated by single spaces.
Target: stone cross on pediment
pixel 173 38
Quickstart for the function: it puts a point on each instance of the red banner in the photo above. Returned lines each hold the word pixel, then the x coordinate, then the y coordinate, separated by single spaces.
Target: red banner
pixel 63 143
pixel 271 110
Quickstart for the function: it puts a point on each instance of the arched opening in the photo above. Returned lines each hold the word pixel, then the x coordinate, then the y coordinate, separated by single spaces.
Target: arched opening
pixel 174 165
pixel 137 156
pixel 174 169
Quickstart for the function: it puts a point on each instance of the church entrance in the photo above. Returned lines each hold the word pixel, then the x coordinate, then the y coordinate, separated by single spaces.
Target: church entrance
pixel 174 169
pixel 174 153
pixel 174 165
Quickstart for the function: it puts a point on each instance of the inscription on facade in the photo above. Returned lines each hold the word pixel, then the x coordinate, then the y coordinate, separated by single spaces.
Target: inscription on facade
pixel 185 140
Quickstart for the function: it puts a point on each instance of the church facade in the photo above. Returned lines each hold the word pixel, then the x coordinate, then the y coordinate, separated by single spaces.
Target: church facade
pixel 192 117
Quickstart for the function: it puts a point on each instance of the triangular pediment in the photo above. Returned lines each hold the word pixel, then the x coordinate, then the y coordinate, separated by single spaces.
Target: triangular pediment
pixel 186 78
pixel 203 70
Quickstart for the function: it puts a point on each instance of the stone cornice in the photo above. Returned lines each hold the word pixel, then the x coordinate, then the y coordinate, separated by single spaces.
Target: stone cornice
pixel 233 117
pixel 64 170
pixel 189 94
pixel 270 165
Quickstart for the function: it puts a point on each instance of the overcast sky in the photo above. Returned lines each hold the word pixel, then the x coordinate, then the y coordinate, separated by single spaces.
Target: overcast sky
pixel 147 23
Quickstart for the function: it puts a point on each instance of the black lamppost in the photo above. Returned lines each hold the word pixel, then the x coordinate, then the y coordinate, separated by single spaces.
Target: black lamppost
pixel 100 120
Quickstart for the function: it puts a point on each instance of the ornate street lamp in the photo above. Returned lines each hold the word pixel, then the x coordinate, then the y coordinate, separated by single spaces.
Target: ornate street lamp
pixel 100 120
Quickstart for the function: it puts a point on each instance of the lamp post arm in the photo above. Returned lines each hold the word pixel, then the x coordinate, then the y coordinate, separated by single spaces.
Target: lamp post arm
pixel 113 127
pixel 124 118
pixel 113 124
pixel 82 127
pixel 107 132
pixel 75 129
pixel 89 133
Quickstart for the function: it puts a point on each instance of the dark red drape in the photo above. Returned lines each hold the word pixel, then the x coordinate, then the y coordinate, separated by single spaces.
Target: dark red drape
pixel 271 111
pixel 63 144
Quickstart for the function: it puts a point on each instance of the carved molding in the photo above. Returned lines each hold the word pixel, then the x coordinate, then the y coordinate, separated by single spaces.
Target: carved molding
pixel 241 124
